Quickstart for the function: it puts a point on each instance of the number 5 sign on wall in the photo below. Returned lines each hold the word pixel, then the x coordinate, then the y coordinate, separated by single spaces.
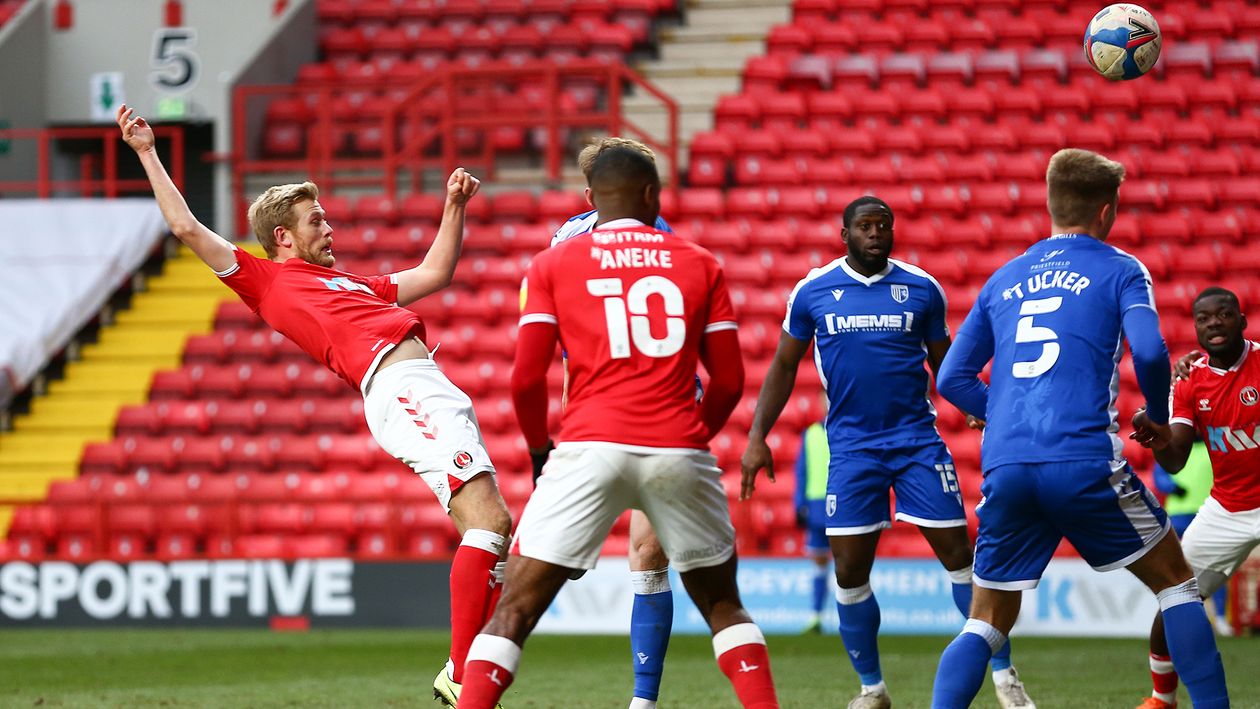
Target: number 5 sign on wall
pixel 176 67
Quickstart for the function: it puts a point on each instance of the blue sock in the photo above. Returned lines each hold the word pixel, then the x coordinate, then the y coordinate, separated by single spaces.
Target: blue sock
pixel 820 588
pixel 859 629
pixel 651 619
pixel 962 599
pixel 1193 646
pixel 961 672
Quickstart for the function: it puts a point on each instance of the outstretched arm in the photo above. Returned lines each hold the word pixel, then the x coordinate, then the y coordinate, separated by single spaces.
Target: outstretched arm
pixel 438 267
pixel 1171 443
pixel 214 250
pixel 775 390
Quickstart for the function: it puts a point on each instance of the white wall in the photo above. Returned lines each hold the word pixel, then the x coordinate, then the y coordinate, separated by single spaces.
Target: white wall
pixel 23 41
pixel 229 35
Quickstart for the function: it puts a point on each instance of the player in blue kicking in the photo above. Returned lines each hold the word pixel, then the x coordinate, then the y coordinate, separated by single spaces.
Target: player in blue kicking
pixel 1054 321
pixel 875 323
pixel 652 614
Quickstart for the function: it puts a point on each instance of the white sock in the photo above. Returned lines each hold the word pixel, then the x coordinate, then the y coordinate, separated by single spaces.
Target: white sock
pixel 880 688
pixel 641 703
pixel 1004 678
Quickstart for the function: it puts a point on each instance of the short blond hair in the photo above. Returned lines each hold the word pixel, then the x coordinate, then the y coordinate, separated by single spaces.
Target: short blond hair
pixel 1078 182
pixel 274 208
pixel 586 158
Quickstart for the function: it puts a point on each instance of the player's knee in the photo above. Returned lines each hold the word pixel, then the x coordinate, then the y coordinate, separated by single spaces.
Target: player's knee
pixel 848 576
pixel 478 505
pixel 647 554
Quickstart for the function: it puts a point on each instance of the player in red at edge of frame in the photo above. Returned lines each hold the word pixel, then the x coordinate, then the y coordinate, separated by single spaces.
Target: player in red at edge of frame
pixel 355 327
pixel 636 308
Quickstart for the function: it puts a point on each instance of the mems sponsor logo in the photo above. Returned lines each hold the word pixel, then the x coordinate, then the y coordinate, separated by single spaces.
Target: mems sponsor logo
pixel 837 324
pixel 106 590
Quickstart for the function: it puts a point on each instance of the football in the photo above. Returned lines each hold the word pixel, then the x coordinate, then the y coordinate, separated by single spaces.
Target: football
pixel 1122 41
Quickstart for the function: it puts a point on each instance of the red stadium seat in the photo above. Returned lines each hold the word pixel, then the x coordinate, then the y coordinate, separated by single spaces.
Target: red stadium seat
pixel 259 546
pixel 315 546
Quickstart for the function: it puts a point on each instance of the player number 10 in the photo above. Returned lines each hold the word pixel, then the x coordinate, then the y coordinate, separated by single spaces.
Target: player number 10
pixel 623 330
pixel 1027 332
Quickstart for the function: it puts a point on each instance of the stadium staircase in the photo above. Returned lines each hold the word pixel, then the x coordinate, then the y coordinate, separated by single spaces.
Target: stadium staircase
pixel 947 109
pixel 43 452
pixel 702 59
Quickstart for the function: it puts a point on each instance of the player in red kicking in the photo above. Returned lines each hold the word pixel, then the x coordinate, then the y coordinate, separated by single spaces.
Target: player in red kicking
pixel 1220 398
pixel 355 327
pixel 636 309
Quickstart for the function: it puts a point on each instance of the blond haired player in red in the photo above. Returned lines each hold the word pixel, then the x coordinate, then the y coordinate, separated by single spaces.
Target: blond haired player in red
pixel 635 308
pixel 1220 399
pixel 355 327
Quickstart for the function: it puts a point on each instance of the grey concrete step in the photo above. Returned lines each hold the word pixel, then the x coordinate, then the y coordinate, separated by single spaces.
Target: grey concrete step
pixel 719 66
pixel 740 19
pixel 726 48
pixel 707 4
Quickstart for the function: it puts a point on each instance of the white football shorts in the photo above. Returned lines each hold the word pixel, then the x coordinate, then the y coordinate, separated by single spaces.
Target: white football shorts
pixel 418 416
pixel 1219 540
pixel 586 486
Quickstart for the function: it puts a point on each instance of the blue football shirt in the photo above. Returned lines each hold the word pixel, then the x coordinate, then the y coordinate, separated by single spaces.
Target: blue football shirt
pixel 583 223
pixel 870 338
pixel 1053 321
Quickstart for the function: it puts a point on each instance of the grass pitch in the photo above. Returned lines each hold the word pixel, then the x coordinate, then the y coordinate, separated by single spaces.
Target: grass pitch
pixel 389 668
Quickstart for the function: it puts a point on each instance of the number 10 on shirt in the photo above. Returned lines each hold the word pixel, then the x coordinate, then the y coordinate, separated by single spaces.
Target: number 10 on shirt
pixel 627 317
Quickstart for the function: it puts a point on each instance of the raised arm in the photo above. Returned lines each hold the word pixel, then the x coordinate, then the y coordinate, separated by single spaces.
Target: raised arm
pixel 214 250
pixel 438 267
pixel 775 390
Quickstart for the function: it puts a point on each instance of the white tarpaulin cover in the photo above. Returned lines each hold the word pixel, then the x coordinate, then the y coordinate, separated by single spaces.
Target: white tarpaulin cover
pixel 59 262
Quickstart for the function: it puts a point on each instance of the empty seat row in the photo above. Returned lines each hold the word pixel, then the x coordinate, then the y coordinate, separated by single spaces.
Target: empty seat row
pixel 342 414
pixel 1181 19
pixel 419 212
pixel 908 164
pixel 590 38
pixel 370 13
pixel 391 484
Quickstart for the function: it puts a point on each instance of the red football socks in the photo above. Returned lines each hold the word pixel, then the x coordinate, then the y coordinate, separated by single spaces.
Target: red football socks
pixel 472 587
pixel 492 663
pixel 743 658
pixel 1164 677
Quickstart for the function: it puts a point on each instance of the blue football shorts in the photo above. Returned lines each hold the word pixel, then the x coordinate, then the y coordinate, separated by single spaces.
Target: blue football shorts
pixel 921 475
pixel 1103 509
pixel 816 527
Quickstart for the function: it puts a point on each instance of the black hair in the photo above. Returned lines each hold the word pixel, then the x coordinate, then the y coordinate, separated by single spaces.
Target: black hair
pixel 1214 291
pixel 619 167
pixel 850 211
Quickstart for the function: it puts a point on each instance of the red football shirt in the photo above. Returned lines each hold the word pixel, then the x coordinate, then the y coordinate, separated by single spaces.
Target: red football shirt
pixel 632 305
pixel 345 321
pixel 1224 406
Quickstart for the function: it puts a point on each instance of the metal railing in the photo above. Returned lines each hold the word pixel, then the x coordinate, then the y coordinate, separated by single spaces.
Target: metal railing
pixel 98 170
pixel 421 122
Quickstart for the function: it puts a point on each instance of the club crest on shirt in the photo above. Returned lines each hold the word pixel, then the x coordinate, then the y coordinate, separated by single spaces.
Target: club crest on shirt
pixel 831 505
pixel 462 460
pixel 900 293
pixel 1249 396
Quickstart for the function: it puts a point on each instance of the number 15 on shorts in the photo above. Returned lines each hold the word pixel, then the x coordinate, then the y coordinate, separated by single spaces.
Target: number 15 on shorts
pixel 949 478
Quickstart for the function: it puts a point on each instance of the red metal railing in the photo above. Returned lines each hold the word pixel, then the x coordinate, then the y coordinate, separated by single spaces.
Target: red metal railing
pixel 421 121
pixel 98 170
